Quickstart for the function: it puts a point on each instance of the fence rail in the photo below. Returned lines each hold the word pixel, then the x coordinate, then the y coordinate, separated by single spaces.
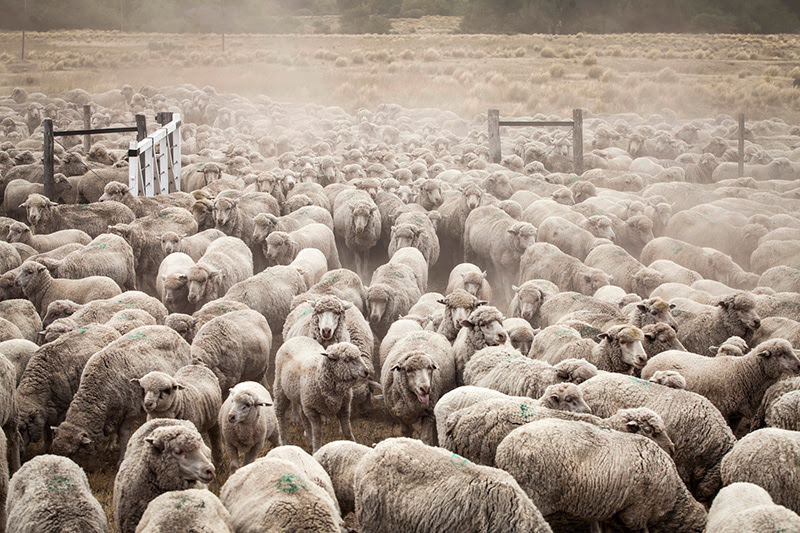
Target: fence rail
pixel 146 166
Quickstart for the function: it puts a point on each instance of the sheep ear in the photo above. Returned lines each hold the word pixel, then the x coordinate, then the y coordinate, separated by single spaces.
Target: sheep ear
pixel 347 305
pixel 331 356
pixel 441 301
pixel 765 353
pixel 713 349
pixel 178 386
pixel 85 439
pixel 514 288
pixel 264 404
pixel 182 277
pixel 396 368
pixel 650 336
pixel 562 373
pixel 632 426
pixel 603 336
pixel 513 230
pixel 641 307
pixel 214 273
pixel 482 302
pixel 135 382
pixel 155 443
pixel 672 306
pixel 22 205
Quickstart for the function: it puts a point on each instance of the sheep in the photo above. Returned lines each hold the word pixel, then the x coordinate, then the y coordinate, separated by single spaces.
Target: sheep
pixel 22 314
pixel 192 245
pixel 106 255
pixel 164 455
pixel 266 223
pixel 417 371
pixel 458 306
pixel 668 378
pixel 470 278
pixel 748 507
pixel 501 369
pixel 8 413
pixel 106 401
pixel 754 458
pixel 9 257
pixel 498 241
pixel 529 298
pixel 624 269
pixel 227 261
pixel 545 261
pixel 50 494
pixel 650 311
pixel 247 419
pixel 357 225
pixel 734 345
pixel 101 311
pixel 144 206
pixel 780 278
pixel 735 385
pixel 282 248
pixel 41 288
pixel 18 352
pixel 185 510
pixel 342 283
pixel 520 334
pixel 698 430
pixel 18 190
pixel 235 346
pixel 322 320
pixel 19 232
pixel 393 291
pixel 192 394
pixel 311 264
pixel 734 314
pixel 340 459
pixel 483 327
pixel 454 211
pixel 596 475
pixel 171 283
pixel 659 338
pixel 412 228
pixel 232 219
pixel 273 495
pixel 46 216
pixel 144 237
pixel 271 293
pixel 568 237
pixel 475 431
pixel 465 497
pixel 559 342
pixel 319 380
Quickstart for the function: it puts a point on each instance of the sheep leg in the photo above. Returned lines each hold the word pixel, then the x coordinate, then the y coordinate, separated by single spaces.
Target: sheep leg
pixel 427 432
pixel 215 437
pixel 275 439
pixel 233 455
pixel 281 406
pixel 251 454
pixel 124 434
pixel 344 421
pixel 406 430
pixel 308 430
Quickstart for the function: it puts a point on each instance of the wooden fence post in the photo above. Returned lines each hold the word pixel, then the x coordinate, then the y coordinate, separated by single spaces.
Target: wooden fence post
pixel 577 140
pixel 741 145
pixel 495 155
pixel 49 141
pixel 87 124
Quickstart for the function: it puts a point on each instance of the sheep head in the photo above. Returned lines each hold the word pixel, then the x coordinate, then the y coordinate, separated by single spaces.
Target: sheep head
pixel 245 405
pixel 29 271
pixel 170 242
pixel 429 194
pixel 280 248
pixel 203 282
pixel 71 440
pixel 225 209
pixel 564 397
pixel 17 232
pixel 778 357
pixel 529 299
pixel 378 297
pixel 592 279
pixel 657 310
pixel 370 185
pixel 460 304
pixel 524 235
pixel 211 172
pixel 263 225
pixel 361 215
pixel 487 321
pixel 660 337
pixel 418 368
pixel 742 306
pixel 473 281
pixel 37 207
pixel 575 370
pixel 600 226
pixel 183 448
pixel 498 185
pixel 159 392
pixel 173 283
pixel 59 309
pixel 669 378
pixel 629 340
pixel 346 361
pixel 645 422
pixel 328 316
pixel 298 201
pixel 115 191
pixel 185 325
pixel 404 235
pixel 472 195
pixel 734 345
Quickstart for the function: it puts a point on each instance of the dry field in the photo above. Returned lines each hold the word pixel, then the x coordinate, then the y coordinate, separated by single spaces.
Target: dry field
pixel 424 65
pixel 428 66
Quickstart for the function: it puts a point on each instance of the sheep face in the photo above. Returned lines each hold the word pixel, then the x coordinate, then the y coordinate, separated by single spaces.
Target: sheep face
pixel 405 194
pixel 524 235
pixel 264 224
pixel 28 271
pixel 37 208
pixel 159 392
pixel 660 337
pixel 328 315
pixel 591 280
pixel 17 232
pixel 529 301
pixel 114 191
pixel 430 195
pixel 473 282
pixel 472 196
pixel 224 210
pixel 70 440
pixel 649 424
pixel 362 215
pixel 575 370
pixel 565 397
pixel 245 406
pixel 347 362
pixel 669 378
pixel 499 186
pixel 170 242
pixel 418 369
pixel 629 340
pixel 31 425
pixel 185 325
pixel 370 185
pixel 404 235
pixel 58 328
pixel 186 450
pixel 778 357
pixel 657 310
pixel 279 248
pixel 211 172
pixel 203 213
pixel 296 202
pixel 202 282
pixel 563 197
pixel 742 307
pixel 600 227
pixel 492 332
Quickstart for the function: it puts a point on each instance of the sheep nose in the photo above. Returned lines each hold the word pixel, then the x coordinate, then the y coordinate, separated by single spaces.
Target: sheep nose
pixel 231 418
pixel 326 332
pixel 757 323
pixel 501 337
pixel 209 473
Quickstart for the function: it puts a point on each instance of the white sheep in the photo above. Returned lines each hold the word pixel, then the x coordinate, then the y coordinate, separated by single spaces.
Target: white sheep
pixel 484 327
pixel 748 507
pixel 247 420
pixel 185 510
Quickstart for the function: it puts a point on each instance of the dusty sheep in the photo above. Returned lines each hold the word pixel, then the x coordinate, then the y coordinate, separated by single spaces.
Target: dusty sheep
pixel 393 291
pixel 458 306
pixel 735 385
pixel 127 320
pixel 227 261
pixel 41 288
pixel 340 459
pixel 418 370
pixel 164 455
pixel 46 216
pixel 272 495
pixel 189 510
pixel 520 334
pixel 266 223
pixel 659 338
pixel 470 278
pixel 357 225
pixel 568 237
pixel 9 257
pixel 101 311
pixel 545 261
pixel 650 311
pixel 247 419
pixel 144 206
pixel 748 507
pixel 192 245
pixel 465 497
pixel 529 298
pixel 418 230
pixel 624 269
pixel 559 342
pixel 19 232
pixel 308 465
pixel 192 394
pixel 22 314
pixel 483 327
pixel 735 314
pixel 560 485
pixel 698 430
pixel 172 283
pixel 51 494
pixel 106 401
pixel 319 380
pixel 271 293
pixel 735 345
pixel 282 248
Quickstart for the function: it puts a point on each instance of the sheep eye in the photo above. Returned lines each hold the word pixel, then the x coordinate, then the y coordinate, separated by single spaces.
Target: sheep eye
pixel 569 399
pixel 166 391
pixel 648 430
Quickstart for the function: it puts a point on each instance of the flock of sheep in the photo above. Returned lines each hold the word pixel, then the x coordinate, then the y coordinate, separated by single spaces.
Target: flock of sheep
pixel 609 352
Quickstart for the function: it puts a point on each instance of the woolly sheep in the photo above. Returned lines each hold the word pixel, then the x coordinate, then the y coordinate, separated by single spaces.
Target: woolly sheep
pixel 9 257
pixel 227 261
pixel 247 419
pixel 186 510
pixel 734 345
pixel 342 283
pixel 638 485
pixel 192 394
pixel 107 255
pixel 106 401
pixel 282 248
pixel 41 288
pixel 545 261
pixel 266 223
pixel 755 459
pixel 311 264
pixel 309 466
pixel 748 507
pixel 393 291
pixel 458 305
pixel 475 431
pixel 520 334
pixel 461 398
pixel 101 311
pixel 46 216
pixel 620 350
pixel 319 380
pixel 413 259
pixel 674 273
pixel 128 320
pixel 235 346
pixel 273 495
pixel 668 378
pixel 464 497
pixel 340 459
pixel 144 206
pixel 51 494
pixel 783 412
pixel 624 269
pixel 568 237
pixel 698 430
pixel 357 225
pixel 529 298
pixel 418 370
pixel 271 293
pixel 723 379
pixel 735 314
pixel 172 283
pixel 416 229
pixel 322 319
pixel 192 245
pixel 470 278
pixel 19 232
pixel 556 343
pixel 484 327
pixel 164 455
pixel 22 314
